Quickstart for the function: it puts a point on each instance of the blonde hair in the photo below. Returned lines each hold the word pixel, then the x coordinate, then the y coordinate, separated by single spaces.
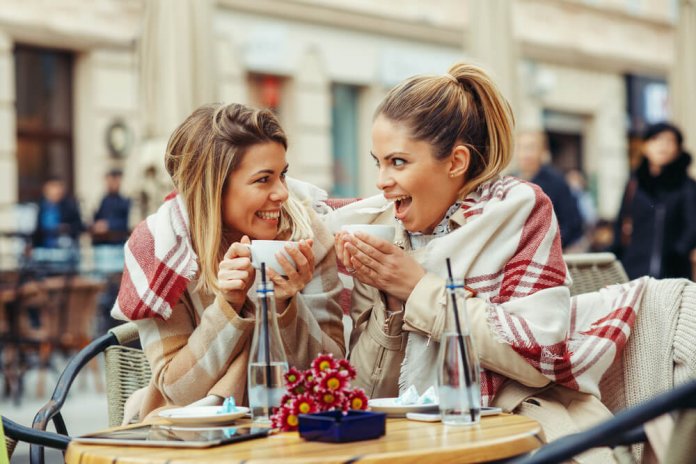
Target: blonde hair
pixel 201 154
pixel 463 107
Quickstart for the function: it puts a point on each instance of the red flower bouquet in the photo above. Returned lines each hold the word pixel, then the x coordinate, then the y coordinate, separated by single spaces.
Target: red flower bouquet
pixel 323 387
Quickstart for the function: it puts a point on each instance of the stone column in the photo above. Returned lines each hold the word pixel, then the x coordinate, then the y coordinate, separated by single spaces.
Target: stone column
pixel 492 43
pixel 231 81
pixel 683 75
pixel 308 118
pixel 8 133
pixel 608 157
pixel 106 90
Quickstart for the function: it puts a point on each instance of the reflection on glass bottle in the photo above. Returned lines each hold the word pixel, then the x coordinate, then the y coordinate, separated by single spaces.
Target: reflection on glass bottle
pixel 267 361
pixel 459 376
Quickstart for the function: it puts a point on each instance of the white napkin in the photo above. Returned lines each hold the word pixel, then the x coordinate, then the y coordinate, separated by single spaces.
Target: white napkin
pixel 410 396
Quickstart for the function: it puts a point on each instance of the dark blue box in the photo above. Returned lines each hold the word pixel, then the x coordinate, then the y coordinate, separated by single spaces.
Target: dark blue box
pixel 334 426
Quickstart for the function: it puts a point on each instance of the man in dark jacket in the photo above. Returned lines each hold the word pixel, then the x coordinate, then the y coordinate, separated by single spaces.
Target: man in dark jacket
pixel 656 227
pixel 531 149
pixel 58 223
pixel 111 219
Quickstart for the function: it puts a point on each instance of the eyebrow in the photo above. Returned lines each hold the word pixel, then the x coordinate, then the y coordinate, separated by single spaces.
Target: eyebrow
pixel 390 155
pixel 271 171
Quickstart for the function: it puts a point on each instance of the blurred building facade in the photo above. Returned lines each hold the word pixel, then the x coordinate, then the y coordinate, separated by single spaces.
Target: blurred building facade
pixel 590 73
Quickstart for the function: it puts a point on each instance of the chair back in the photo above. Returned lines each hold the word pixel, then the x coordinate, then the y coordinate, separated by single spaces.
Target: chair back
pixel 660 353
pixel 594 271
pixel 127 370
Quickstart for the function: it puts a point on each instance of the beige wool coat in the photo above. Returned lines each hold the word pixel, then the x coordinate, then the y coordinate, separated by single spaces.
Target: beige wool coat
pixel 201 352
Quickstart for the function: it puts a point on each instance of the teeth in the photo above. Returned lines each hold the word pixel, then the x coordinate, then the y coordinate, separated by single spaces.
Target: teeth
pixel 268 214
pixel 401 198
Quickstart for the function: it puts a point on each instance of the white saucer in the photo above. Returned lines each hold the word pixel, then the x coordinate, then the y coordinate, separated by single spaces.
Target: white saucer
pixel 201 415
pixel 394 409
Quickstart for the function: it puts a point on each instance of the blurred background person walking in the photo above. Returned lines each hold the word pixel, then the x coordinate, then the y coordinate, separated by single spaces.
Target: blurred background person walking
pixel 58 222
pixel 109 233
pixel 586 207
pixel 111 219
pixel 656 227
pixel 532 156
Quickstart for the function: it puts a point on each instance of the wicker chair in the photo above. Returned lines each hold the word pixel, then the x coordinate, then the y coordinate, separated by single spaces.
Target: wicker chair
pixel 593 271
pixel 126 371
pixel 622 429
pixel 10 445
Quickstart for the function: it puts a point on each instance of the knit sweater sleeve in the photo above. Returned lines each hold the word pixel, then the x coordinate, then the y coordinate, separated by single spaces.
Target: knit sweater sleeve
pixel 188 356
pixel 312 323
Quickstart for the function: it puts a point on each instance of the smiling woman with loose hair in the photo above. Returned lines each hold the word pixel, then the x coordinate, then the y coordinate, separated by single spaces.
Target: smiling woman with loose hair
pixel 189 282
pixel 201 153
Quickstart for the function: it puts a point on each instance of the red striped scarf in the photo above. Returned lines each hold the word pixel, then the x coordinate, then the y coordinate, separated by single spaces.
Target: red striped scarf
pixel 159 264
pixel 508 247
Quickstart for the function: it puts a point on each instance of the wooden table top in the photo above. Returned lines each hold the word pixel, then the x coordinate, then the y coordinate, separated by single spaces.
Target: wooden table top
pixel 497 437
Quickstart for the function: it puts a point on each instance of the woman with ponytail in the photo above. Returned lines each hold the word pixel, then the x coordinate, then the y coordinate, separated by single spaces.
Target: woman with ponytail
pixel 440 144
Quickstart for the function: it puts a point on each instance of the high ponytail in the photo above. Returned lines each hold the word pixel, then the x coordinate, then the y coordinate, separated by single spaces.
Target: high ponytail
pixel 463 107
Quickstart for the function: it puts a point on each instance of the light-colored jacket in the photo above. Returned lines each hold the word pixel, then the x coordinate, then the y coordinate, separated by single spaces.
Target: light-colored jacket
pixel 378 344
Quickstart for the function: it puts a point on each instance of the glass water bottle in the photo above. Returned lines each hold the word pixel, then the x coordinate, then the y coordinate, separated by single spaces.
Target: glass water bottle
pixel 267 360
pixel 459 376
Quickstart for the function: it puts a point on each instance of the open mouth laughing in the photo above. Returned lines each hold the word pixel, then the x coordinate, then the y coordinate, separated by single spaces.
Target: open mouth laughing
pixel 401 205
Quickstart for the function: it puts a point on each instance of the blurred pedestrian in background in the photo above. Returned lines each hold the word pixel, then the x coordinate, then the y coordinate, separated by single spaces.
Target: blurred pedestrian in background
pixel 586 207
pixel 109 232
pixel 656 227
pixel 111 219
pixel 152 191
pixel 532 156
pixel 58 222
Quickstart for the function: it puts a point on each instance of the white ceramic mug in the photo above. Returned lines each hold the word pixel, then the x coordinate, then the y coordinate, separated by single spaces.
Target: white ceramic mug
pixel 383 231
pixel 264 251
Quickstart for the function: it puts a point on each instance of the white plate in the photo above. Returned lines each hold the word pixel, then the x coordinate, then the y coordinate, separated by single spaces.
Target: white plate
pixel 394 409
pixel 201 415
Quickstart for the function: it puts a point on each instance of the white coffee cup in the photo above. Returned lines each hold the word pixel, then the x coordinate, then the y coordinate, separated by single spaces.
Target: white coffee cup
pixel 264 251
pixel 383 231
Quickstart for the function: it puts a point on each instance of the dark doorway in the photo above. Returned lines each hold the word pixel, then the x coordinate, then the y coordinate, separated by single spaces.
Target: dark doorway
pixel 566 150
pixel 44 92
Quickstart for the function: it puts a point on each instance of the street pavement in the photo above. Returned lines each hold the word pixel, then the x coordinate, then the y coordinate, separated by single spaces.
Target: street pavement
pixel 84 411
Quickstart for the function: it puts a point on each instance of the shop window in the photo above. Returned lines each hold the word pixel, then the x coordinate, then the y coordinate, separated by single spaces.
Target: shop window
pixel 44 94
pixel 647 98
pixel 564 133
pixel 344 139
pixel 266 91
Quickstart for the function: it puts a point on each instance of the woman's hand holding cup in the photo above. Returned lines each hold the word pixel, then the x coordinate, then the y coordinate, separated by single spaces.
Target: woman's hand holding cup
pixel 375 261
pixel 297 276
pixel 236 274
pixel 342 255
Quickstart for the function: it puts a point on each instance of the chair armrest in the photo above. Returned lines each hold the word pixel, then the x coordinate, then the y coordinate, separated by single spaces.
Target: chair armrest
pixel 28 435
pixel 621 429
pixel 76 363
pixel 125 333
pixel 51 410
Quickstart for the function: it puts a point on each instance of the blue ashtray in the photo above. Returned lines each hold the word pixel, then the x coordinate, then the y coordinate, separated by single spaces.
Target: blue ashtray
pixel 336 427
